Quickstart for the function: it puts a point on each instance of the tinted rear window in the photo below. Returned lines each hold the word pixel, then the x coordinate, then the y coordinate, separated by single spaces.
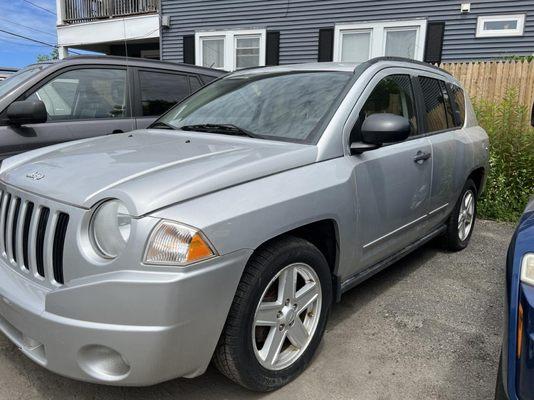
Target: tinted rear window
pixel 160 91
pixel 436 114
pixel 458 99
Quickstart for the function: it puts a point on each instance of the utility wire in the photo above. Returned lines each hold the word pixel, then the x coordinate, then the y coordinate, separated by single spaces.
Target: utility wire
pixel 27 27
pixel 33 40
pixel 28 38
pixel 38 6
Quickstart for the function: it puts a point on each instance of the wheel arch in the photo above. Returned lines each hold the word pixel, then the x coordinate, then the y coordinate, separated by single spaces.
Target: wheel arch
pixel 478 176
pixel 323 234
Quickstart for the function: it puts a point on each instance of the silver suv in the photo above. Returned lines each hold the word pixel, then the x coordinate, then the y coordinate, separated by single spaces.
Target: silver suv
pixel 226 230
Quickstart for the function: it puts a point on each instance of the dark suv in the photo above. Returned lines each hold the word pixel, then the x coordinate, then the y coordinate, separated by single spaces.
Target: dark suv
pixel 88 96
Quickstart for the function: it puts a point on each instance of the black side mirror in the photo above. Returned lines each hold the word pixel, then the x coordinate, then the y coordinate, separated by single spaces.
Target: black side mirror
pixel 27 112
pixel 378 129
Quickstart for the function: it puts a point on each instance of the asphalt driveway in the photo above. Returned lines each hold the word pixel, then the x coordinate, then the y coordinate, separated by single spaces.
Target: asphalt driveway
pixel 428 327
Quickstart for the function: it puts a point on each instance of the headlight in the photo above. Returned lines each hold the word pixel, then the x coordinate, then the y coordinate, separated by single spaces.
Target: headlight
pixel 110 228
pixel 527 269
pixel 174 244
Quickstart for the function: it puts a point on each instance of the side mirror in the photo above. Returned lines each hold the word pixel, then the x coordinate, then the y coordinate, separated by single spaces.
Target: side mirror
pixel 27 112
pixel 378 129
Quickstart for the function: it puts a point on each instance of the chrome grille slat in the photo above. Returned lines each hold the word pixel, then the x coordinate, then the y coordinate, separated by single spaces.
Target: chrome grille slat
pixel 8 231
pixel 14 223
pixel 49 245
pixel 5 199
pixel 33 239
pixel 40 244
pixel 19 250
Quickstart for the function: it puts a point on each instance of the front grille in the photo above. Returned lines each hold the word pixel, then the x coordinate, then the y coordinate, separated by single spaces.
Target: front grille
pixel 33 237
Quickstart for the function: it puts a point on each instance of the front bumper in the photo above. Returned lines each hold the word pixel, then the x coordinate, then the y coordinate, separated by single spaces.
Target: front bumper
pixel 131 328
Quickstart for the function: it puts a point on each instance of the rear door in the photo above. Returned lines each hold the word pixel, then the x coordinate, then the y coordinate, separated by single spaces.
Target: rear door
pixel 445 113
pixel 159 90
pixel 393 181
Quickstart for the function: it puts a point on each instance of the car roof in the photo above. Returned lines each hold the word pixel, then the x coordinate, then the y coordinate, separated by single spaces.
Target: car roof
pixel 138 62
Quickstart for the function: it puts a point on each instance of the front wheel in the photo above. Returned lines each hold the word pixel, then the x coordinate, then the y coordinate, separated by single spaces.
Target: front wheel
pixel 462 220
pixel 278 316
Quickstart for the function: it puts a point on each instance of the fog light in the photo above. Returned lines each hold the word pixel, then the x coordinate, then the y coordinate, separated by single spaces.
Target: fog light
pixel 103 363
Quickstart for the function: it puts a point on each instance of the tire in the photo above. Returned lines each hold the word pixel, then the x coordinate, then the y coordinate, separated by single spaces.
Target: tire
pixel 239 354
pixel 499 386
pixel 454 240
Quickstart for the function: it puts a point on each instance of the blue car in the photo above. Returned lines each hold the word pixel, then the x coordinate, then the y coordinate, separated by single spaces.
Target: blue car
pixel 516 370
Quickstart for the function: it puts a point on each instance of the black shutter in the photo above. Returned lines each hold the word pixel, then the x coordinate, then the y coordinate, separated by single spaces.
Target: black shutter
pixel 434 42
pixel 189 49
pixel 326 44
pixel 272 54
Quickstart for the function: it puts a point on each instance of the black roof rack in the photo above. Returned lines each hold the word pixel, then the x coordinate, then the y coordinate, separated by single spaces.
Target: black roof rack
pixel 375 60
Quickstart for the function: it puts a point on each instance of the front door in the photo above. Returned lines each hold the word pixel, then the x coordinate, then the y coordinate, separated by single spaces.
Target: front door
pixel 80 103
pixel 392 182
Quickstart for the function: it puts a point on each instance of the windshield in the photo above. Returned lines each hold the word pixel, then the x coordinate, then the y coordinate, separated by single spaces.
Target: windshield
pixel 280 106
pixel 16 79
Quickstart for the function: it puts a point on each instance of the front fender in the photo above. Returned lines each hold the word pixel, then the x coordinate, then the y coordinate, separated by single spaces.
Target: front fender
pixel 247 215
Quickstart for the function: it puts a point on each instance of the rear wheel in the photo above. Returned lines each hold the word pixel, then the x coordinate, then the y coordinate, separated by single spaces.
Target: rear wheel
pixel 278 316
pixel 462 220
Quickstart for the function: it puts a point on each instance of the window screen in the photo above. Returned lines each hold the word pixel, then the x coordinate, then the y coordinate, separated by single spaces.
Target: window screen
pixel 436 114
pixel 160 91
pixel 458 99
pixel 393 95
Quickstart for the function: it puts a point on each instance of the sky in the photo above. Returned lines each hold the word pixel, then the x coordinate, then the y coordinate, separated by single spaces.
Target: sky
pixel 23 18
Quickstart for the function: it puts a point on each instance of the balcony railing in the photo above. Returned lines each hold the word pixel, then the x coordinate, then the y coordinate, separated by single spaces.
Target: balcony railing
pixel 78 11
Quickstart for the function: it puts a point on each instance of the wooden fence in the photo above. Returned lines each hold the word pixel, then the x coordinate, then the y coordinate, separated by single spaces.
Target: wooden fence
pixel 491 80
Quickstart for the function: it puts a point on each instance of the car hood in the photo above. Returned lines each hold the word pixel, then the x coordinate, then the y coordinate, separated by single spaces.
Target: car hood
pixel 149 169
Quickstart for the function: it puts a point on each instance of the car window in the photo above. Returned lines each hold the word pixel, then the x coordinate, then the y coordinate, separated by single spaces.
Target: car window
pixel 280 106
pixel 393 95
pixel 12 81
pixel 160 91
pixel 436 114
pixel 448 106
pixel 458 99
pixel 84 94
pixel 195 83
pixel 207 78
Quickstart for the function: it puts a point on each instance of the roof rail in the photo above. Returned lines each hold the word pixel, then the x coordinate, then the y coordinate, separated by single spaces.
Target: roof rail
pixel 375 60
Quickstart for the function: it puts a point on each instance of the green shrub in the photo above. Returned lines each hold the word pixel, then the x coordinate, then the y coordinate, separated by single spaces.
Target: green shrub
pixel 511 176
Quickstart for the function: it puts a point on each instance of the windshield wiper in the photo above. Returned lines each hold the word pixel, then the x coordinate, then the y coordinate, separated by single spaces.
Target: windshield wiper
pixel 161 125
pixel 226 129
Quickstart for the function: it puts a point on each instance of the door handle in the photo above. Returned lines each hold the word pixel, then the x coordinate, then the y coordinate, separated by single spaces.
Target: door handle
pixel 116 131
pixel 421 157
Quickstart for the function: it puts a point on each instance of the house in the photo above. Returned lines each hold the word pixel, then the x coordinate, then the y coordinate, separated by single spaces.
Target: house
pixel 114 27
pixel 244 33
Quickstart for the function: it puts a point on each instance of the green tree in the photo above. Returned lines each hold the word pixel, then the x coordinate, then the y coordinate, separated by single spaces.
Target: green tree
pixel 54 55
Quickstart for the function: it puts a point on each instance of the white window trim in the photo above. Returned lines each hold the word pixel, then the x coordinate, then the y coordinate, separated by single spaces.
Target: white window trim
pixel 230 44
pixel 519 31
pixel 378 36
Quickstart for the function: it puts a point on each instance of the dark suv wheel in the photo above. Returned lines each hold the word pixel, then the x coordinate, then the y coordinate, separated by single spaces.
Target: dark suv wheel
pixel 278 316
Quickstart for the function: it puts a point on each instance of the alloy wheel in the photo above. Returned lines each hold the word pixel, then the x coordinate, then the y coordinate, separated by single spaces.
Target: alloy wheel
pixel 287 316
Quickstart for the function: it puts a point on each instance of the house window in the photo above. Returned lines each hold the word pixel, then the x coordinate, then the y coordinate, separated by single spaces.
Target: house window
pixel 500 25
pixel 231 50
pixel 360 42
